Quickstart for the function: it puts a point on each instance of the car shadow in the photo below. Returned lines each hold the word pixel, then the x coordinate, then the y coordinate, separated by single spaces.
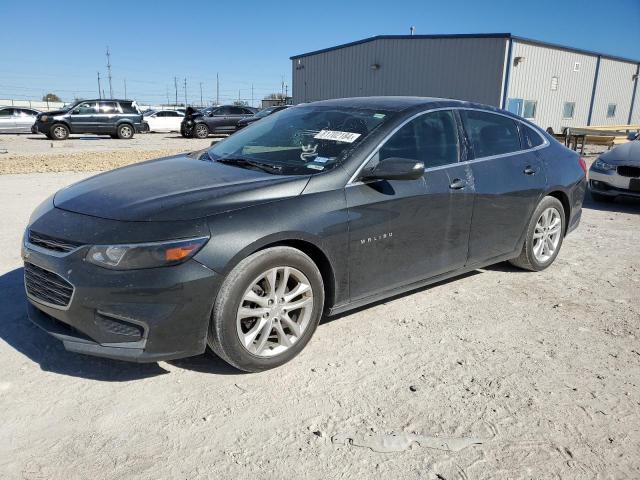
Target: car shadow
pixel 620 205
pixel 18 332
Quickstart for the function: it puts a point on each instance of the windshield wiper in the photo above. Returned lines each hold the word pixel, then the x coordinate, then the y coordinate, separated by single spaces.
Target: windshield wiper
pixel 244 162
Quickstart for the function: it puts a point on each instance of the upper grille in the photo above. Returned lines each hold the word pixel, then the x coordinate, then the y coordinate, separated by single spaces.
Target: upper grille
pixel 50 243
pixel 627 171
pixel 47 286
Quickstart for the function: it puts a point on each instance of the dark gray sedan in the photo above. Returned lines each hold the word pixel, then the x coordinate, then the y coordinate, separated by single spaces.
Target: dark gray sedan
pixel 616 173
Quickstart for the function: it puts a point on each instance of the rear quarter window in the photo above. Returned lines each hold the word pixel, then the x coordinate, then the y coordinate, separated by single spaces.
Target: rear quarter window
pixel 128 107
pixel 530 137
pixel 490 134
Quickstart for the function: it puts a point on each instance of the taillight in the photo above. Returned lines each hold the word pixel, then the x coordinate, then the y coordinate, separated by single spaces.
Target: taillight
pixel 583 164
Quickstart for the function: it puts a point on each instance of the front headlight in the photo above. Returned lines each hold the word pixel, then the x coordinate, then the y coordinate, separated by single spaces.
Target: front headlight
pixel 144 255
pixel 44 118
pixel 601 165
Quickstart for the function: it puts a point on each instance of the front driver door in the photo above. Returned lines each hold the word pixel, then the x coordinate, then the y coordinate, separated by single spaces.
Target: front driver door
pixel 83 118
pixel 402 231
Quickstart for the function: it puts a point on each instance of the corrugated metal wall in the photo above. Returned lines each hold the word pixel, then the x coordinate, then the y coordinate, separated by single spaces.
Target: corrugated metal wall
pixel 531 80
pixel 462 68
pixel 615 85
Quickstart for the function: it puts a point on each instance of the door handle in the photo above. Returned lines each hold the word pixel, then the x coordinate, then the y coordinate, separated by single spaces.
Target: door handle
pixel 457 184
pixel 528 170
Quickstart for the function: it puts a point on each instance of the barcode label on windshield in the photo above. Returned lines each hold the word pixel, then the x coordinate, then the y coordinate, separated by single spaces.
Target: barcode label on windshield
pixel 347 137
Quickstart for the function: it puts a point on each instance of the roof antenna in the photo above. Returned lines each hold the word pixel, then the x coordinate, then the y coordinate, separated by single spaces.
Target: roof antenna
pixel 412 30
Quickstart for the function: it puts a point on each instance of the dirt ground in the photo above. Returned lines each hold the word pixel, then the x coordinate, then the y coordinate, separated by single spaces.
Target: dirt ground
pixel 89 153
pixel 498 374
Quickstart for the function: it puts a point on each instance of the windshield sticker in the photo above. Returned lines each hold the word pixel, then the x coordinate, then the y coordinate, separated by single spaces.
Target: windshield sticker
pixel 315 167
pixel 346 137
pixel 379 115
pixel 321 160
pixel 309 152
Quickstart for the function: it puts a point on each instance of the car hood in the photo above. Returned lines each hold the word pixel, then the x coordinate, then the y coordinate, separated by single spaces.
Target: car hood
pixel 53 113
pixel 625 154
pixel 175 188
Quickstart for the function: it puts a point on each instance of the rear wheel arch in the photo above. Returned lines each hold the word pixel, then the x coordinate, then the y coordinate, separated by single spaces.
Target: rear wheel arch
pixel 566 204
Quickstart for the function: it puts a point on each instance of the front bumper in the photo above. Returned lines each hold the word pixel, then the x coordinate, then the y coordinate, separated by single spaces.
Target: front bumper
pixel 612 184
pixel 141 315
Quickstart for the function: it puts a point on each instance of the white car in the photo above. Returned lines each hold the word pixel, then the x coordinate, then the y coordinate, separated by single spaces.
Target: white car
pixel 163 121
pixel 17 119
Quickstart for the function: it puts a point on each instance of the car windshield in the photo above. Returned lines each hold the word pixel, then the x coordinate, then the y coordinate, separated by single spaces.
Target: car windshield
pixel 264 112
pixel 300 140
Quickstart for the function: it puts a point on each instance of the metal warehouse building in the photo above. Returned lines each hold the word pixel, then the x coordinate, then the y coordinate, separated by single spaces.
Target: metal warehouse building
pixel 553 85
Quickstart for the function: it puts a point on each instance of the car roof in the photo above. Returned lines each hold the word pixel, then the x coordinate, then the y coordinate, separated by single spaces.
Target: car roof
pixel 397 103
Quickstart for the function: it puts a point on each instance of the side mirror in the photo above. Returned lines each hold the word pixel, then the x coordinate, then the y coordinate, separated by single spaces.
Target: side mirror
pixel 395 169
pixel 633 136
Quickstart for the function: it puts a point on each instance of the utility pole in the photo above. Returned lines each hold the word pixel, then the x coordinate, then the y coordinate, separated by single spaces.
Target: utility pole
pixel 217 89
pixel 99 88
pixel 238 96
pixel 167 90
pixel 252 94
pixel 185 91
pixel 201 104
pixel 175 84
pixel 125 88
pixel 109 70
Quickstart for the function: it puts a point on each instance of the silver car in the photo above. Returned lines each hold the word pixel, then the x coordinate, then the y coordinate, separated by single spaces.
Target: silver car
pixel 616 173
pixel 17 119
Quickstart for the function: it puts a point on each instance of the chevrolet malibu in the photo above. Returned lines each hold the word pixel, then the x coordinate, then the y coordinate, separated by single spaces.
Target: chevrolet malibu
pixel 314 211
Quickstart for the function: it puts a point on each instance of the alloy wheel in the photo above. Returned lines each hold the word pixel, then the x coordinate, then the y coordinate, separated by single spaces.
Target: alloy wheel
pixel 546 235
pixel 125 131
pixel 59 132
pixel 275 311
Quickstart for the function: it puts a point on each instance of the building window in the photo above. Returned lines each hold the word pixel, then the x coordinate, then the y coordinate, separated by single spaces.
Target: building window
pixel 576 66
pixel 529 110
pixel 567 109
pixel 611 110
pixel 554 83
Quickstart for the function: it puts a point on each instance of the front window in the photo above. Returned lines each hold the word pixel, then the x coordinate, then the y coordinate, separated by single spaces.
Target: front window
pixel 85 108
pixel 300 140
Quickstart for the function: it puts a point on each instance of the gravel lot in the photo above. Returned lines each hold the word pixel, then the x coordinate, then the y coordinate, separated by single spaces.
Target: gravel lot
pixel 528 375
pixel 88 153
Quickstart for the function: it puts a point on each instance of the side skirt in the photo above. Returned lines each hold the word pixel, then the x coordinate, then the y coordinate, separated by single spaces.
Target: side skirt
pixel 337 309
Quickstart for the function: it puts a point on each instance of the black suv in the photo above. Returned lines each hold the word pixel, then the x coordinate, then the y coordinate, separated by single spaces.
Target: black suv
pixel 224 119
pixel 118 118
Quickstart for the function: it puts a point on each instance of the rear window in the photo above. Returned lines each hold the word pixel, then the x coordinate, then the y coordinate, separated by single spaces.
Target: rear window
pixel 530 137
pixel 490 134
pixel 129 107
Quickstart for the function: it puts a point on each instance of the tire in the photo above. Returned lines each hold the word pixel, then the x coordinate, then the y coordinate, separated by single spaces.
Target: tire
pixel 532 256
pixel 145 128
pixel 200 130
pixel 597 197
pixel 125 131
pixel 185 131
pixel 227 324
pixel 59 131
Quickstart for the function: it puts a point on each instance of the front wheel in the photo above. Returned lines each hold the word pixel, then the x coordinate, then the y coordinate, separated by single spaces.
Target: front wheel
pixel 267 309
pixel 201 130
pixel 125 131
pixel 543 237
pixel 59 131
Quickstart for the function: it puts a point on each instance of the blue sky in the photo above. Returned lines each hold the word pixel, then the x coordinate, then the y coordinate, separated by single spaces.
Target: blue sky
pixel 60 46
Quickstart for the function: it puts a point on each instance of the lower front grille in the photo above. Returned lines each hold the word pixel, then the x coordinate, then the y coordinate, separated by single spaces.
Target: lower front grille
pixel 47 287
pixel 628 171
pixel 119 327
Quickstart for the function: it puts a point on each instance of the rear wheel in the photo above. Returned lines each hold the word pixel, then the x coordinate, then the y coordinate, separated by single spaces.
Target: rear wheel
pixel 59 131
pixel 201 130
pixel 125 131
pixel 543 237
pixel 267 309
